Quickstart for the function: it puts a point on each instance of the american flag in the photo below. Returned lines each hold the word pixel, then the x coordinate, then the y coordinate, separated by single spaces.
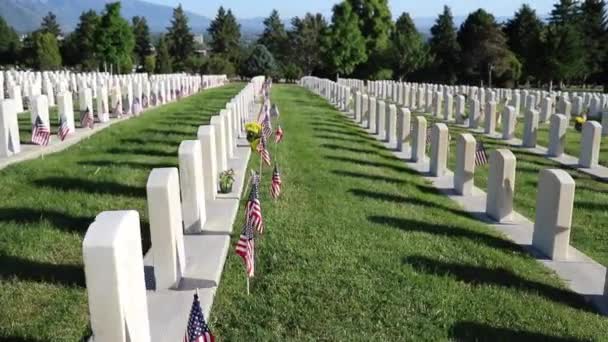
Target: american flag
pixel 275 187
pixel 263 150
pixel 278 135
pixel 274 111
pixel 64 128
pixel 197 330
pixel 41 134
pixel 266 125
pixel 245 248
pixel 253 210
pixel 481 156
pixel 87 119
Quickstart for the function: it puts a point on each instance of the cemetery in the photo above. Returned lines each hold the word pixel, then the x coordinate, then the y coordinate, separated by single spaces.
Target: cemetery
pixel 158 188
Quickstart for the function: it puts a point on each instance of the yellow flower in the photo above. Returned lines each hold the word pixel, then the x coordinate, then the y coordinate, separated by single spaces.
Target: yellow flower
pixel 253 127
pixel 580 119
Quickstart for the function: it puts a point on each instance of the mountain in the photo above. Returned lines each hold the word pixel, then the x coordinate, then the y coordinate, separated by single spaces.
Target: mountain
pixel 26 15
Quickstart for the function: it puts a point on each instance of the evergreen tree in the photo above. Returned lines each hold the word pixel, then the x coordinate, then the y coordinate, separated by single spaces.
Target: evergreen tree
pixel 180 40
pixel 444 48
pixel 594 34
pixel 376 25
pixel 163 58
pixel 563 54
pixel 306 40
pixel 260 62
pixel 225 35
pixel 80 45
pixel 10 44
pixel 524 32
pixel 408 48
pixel 50 25
pixel 346 44
pixel 46 49
pixel 141 31
pixel 274 36
pixel 484 49
pixel 114 39
pixel 565 12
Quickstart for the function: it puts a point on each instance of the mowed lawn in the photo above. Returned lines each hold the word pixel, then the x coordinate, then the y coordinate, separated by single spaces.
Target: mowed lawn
pixel 590 219
pixel 361 248
pixel 47 204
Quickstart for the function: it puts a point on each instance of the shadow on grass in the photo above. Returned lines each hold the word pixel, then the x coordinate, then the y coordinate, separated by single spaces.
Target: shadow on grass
pixel 371 163
pixel 368 176
pixel 89 186
pixel 350 139
pixel 129 164
pixel 56 218
pixel 144 151
pixel 140 141
pixel 18 339
pixel 477 275
pixel 41 272
pixel 167 131
pixel 453 231
pixel 473 331
pixel 334 147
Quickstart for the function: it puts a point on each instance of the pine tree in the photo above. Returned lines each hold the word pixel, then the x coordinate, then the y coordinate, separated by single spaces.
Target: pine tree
pixel 444 48
pixel 80 44
pixel 180 40
pixel 408 48
pixel 225 35
pixel 114 39
pixel 346 43
pixel 260 62
pixel 524 32
pixel 141 31
pixel 563 54
pixel 274 36
pixel 163 58
pixel 306 40
pixel 46 51
pixel 594 34
pixel 376 25
pixel 10 44
pixel 50 25
pixel 484 49
pixel 565 12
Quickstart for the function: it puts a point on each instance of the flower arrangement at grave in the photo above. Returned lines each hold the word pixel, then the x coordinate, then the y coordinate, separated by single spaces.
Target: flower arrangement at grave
pixel 579 121
pixel 226 181
pixel 254 133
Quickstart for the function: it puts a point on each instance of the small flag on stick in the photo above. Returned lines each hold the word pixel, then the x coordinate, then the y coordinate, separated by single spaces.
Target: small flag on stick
pixel 278 135
pixel 197 330
pixel 87 119
pixel 263 150
pixel 275 187
pixel 64 128
pixel 41 134
pixel 253 209
pixel 481 156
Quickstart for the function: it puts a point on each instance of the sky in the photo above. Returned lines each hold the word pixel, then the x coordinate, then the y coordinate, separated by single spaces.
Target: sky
pixel 417 9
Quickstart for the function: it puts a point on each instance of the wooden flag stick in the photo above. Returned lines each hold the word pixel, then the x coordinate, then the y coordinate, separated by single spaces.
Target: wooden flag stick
pixel 247 277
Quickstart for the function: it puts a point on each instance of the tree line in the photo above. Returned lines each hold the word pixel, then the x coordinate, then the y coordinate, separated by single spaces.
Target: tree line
pixel 361 40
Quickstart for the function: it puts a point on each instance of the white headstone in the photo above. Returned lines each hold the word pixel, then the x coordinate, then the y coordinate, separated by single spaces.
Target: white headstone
pixel 590 144
pixel 501 185
pixel 557 135
pixel 465 164
pixel 192 185
pixel 439 149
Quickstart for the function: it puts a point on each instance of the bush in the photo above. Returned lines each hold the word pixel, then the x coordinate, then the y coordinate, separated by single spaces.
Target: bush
pixel 150 64
pixel 291 72
pixel 220 65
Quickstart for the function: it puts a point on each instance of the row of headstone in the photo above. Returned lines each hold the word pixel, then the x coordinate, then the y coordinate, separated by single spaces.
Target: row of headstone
pixel 178 199
pixel 483 117
pixel 555 194
pixel 114 96
pixel 419 97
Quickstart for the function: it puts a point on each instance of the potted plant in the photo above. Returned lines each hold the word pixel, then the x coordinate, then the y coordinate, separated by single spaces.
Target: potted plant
pixel 226 181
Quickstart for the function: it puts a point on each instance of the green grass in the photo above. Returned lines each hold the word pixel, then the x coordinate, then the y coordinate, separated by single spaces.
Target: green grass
pixel 47 204
pixel 362 248
pixel 590 220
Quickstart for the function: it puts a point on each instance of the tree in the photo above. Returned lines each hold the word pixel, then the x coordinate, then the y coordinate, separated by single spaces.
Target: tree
pixel 79 46
pixel 179 39
pixel 594 28
pixel 150 64
pixel 50 25
pixel 524 32
pixel 274 36
pixel 163 58
pixel 46 51
pixel 141 31
pixel 563 55
pixel 564 12
pixel 9 43
pixel 408 49
pixel 260 62
pixel 225 35
pixel 306 40
pixel 346 43
pixel 216 65
pixel 376 25
pixel 114 39
pixel 484 49
pixel 444 48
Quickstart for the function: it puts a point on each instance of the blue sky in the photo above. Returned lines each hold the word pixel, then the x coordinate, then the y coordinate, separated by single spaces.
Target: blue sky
pixel 290 8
